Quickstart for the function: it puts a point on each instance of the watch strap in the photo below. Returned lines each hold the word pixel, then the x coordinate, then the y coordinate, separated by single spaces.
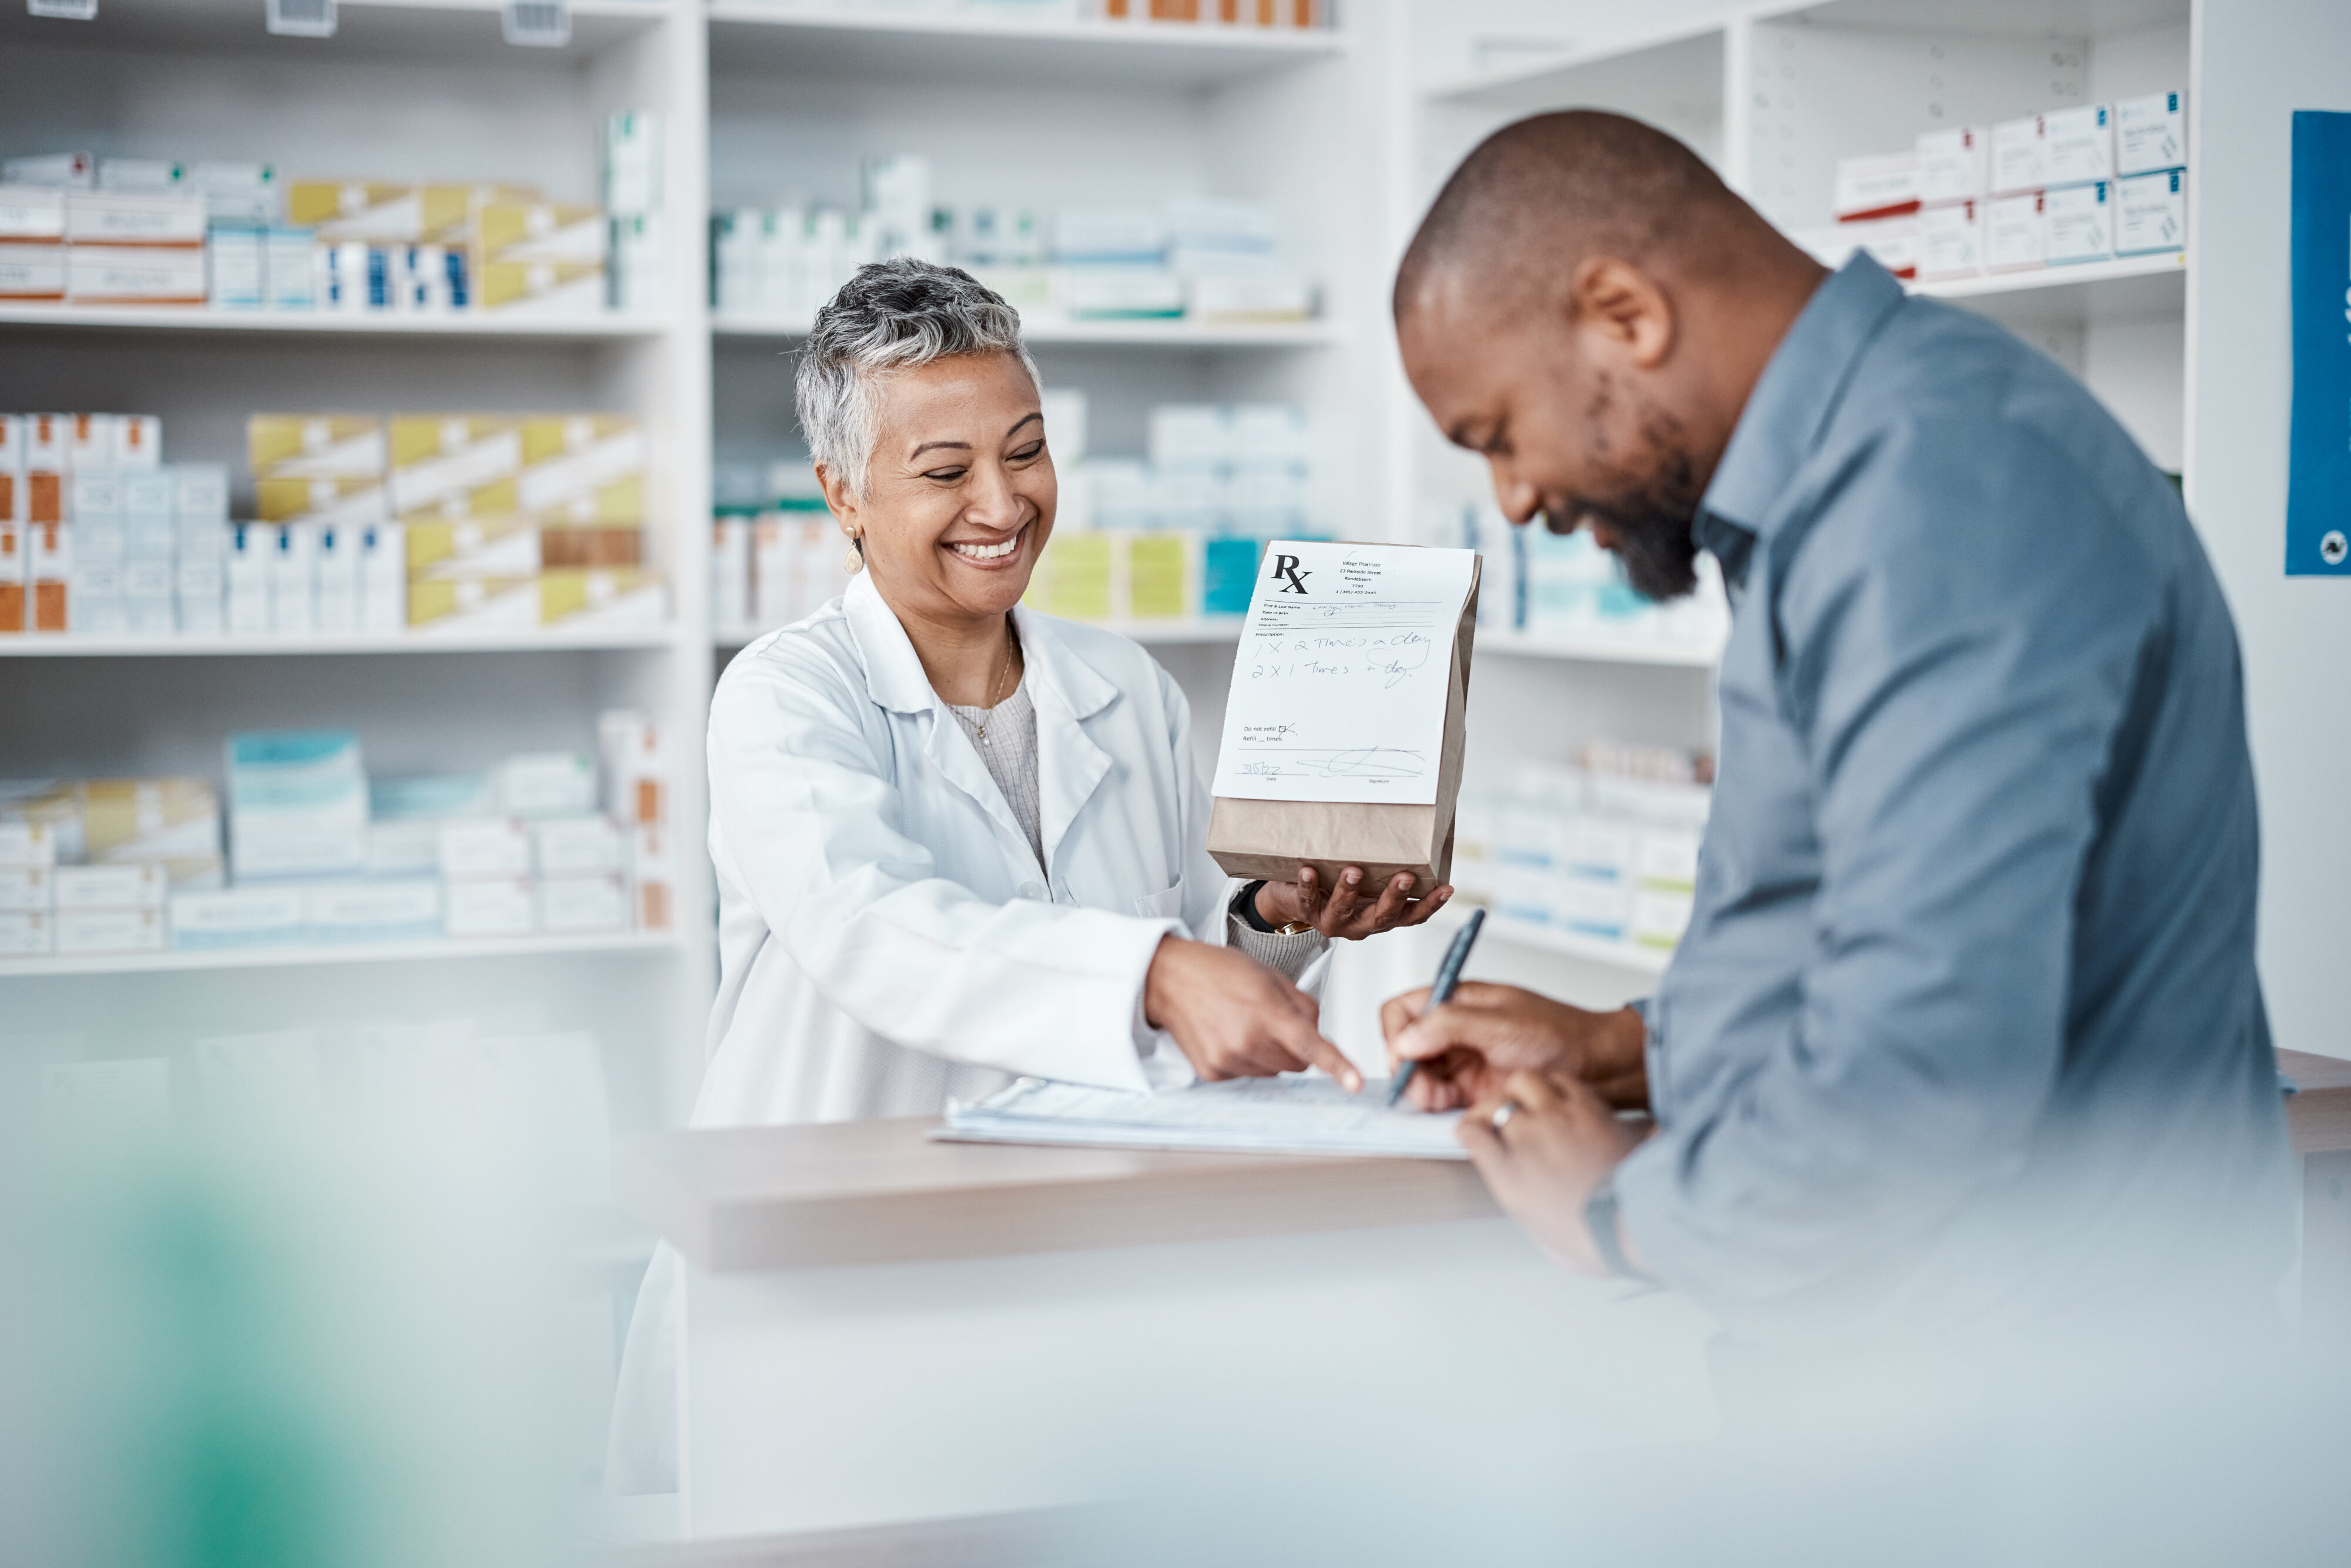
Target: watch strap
pixel 1245 906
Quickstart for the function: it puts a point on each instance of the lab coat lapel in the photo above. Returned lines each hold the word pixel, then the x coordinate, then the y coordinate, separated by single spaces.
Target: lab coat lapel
pixel 894 679
pixel 1067 692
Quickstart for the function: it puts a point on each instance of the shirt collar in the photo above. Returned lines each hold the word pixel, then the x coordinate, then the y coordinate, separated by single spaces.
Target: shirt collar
pixel 1789 407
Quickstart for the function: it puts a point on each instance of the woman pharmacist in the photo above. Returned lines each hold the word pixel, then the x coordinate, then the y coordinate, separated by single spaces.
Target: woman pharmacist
pixel 957 840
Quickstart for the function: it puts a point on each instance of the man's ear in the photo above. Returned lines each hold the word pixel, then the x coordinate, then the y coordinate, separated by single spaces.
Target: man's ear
pixel 838 496
pixel 1624 308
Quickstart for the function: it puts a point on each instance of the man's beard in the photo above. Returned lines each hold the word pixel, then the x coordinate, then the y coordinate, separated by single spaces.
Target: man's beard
pixel 1651 516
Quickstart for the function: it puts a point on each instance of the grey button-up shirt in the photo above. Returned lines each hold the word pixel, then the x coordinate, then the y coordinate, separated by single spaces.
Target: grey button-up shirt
pixel 1965 1030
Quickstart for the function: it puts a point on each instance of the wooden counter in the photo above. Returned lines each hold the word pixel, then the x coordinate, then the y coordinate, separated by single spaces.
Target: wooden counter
pixel 757 1198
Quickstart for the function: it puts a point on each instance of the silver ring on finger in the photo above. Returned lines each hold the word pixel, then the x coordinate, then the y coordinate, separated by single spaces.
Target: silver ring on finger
pixel 1503 1112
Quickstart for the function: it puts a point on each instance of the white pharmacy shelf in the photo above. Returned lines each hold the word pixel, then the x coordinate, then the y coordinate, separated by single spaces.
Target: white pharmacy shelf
pixel 50 645
pixel 1156 334
pixel 304 955
pixel 388 29
pixel 1575 945
pixel 1187 629
pixel 972 46
pixel 457 324
pixel 1601 650
pixel 2130 286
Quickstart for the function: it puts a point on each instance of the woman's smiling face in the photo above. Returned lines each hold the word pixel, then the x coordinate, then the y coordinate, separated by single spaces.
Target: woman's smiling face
pixel 959 496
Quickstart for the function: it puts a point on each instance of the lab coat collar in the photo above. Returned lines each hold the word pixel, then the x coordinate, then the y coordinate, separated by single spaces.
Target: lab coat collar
pixel 1067 691
pixel 1064 689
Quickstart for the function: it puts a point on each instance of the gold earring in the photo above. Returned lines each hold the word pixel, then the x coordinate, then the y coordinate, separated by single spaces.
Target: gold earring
pixel 852 560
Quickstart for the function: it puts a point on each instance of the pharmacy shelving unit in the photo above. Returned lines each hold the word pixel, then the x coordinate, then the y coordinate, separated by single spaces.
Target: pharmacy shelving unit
pixel 1773 95
pixel 405 89
pixel 1046 113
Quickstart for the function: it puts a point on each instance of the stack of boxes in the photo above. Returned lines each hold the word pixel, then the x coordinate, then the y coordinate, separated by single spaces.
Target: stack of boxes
pixel 1606 848
pixel 446 523
pixel 87 866
pixel 96 534
pixel 2054 189
pixel 1180 535
pixel 320 854
pixel 775 553
pixel 1202 260
pixel 85 230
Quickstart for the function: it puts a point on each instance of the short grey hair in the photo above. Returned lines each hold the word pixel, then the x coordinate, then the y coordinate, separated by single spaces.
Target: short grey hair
pixel 891 315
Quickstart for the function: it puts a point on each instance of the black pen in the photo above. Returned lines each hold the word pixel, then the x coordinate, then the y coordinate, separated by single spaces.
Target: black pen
pixel 1448 976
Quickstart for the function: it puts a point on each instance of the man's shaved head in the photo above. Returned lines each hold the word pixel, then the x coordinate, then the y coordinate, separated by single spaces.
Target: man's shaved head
pixel 1588 307
pixel 1539 196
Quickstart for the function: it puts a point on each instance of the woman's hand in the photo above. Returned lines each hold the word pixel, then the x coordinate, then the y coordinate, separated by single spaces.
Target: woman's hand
pixel 1235 1018
pixel 1343 913
pixel 1468 1048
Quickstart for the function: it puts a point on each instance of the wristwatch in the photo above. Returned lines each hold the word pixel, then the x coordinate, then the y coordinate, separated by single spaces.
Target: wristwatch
pixel 1607 1239
pixel 1245 906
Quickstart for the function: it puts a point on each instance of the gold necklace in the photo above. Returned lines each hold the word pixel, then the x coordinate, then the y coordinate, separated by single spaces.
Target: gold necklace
pixel 996 692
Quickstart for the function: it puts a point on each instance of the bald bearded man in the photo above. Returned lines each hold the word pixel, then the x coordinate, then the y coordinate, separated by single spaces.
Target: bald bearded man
pixel 1965 1036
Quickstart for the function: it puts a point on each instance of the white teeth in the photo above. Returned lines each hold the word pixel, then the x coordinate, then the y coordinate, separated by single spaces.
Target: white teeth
pixel 987 552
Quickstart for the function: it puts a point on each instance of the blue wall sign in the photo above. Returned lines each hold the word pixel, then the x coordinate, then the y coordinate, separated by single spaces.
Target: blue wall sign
pixel 2318 473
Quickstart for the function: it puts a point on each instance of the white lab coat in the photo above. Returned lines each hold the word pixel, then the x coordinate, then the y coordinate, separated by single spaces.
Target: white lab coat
pixel 886 936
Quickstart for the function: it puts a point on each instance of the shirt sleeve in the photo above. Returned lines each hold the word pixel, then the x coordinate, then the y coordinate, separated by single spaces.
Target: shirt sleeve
pixel 805 804
pixel 1956 686
pixel 1285 956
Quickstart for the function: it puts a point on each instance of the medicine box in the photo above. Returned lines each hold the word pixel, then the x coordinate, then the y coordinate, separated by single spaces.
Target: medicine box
pixel 545 784
pixel 24 933
pixel 315 446
pixel 32 215
pixel 501 906
pixel 27 887
pixel 2077 145
pixel 135 274
pixel 570 846
pixel 537 232
pixel 541 287
pixel 602 598
pixel 1953 164
pixel 131 930
pixel 474 847
pixel 348 502
pixel 132 884
pixel 583 904
pixel 495 547
pixel 2150 135
pixel 406 910
pixel 464 463
pixel 297 804
pixel 2151 213
pixel 135 218
pixel 1884 186
pixel 32 272
pixel 2016 233
pixel 237 917
pixel 236 274
pixel 2017 162
pixel 2081 222
pixel 582 470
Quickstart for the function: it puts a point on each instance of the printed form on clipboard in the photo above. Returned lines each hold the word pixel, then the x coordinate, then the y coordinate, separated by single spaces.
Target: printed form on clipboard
pixel 1343 728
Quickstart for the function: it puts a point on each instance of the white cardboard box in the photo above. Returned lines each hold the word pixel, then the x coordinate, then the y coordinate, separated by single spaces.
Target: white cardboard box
pixel 2016 233
pixel 26 932
pixel 109 930
pixel 484 846
pixel 1953 164
pixel 2150 133
pixel 1882 185
pixel 135 274
pixel 405 910
pixel 2151 213
pixel 2077 145
pixel 570 846
pixel 502 906
pixel 2016 156
pixel 578 904
pixel 1952 241
pixel 128 884
pixel 24 887
pixel 236 918
pixel 2081 222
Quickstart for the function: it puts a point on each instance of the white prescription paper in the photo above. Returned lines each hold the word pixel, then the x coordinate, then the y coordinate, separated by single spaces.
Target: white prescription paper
pixel 1294 1114
pixel 1339 689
